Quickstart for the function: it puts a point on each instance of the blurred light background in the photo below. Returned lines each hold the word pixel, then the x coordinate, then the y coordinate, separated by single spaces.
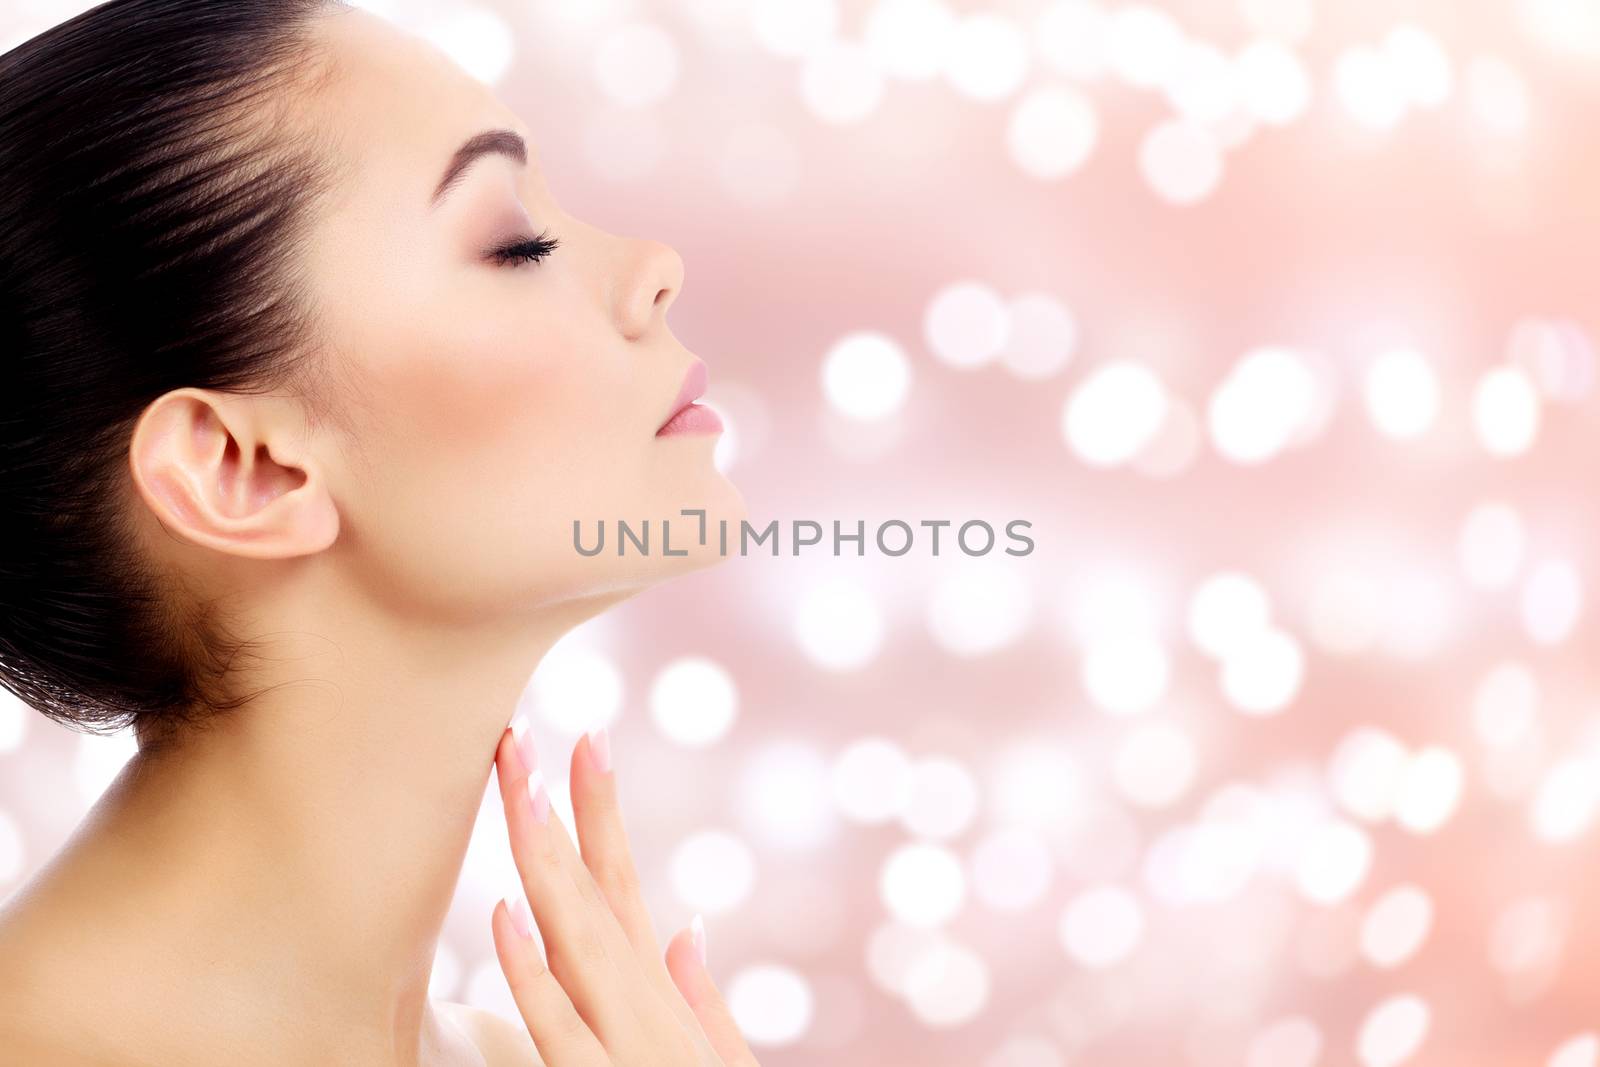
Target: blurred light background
pixel 1275 318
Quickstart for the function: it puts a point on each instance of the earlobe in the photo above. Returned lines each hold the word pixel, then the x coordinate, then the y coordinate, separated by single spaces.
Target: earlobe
pixel 219 473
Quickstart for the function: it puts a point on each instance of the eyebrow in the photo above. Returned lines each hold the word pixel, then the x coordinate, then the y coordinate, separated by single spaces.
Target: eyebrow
pixel 489 142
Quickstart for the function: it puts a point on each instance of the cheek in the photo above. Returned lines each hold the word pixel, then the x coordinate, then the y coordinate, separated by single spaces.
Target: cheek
pixel 489 453
pixel 471 394
pixel 483 460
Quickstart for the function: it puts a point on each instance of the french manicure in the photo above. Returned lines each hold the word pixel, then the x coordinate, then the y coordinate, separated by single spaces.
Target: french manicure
pixel 521 918
pixel 697 934
pixel 522 735
pixel 538 799
pixel 600 749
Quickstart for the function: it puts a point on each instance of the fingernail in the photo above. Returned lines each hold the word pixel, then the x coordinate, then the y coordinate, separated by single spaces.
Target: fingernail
pixel 522 735
pixel 697 934
pixel 600 749
pixel 538 799
pixel 521 917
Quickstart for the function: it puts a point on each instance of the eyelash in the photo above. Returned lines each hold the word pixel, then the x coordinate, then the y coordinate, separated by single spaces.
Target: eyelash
pixel 525 250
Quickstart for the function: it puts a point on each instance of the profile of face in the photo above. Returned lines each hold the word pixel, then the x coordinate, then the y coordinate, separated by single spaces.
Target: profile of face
pixel 494 401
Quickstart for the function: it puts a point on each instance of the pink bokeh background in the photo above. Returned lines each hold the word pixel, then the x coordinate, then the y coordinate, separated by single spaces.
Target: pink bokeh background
pixel 1281 748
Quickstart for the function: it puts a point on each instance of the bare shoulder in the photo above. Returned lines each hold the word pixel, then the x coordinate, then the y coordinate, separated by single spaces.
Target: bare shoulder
pixel 44 1024
pixel 503 1043
pixel 43 1046
pixel 26 1029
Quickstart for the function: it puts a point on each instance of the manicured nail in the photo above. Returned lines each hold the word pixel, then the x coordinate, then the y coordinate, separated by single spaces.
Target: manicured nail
pixel 697 934
pixel 522 734
pixel 538 799
pixel 521 917
pixel 600 749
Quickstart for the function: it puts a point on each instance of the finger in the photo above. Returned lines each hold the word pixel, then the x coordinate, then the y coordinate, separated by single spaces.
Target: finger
pixel 558 1031
pixel 686 961
pixel 569 922
pixel 633 1022
pixel 603 844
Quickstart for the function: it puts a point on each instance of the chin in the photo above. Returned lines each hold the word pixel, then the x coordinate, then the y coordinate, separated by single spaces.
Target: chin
pixel 724 508
pixel 664 537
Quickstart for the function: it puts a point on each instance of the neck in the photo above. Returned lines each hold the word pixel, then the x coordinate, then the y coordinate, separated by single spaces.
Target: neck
pixel 312 839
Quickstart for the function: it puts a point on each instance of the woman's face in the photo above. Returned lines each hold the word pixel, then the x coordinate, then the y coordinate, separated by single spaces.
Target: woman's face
pixel 498 402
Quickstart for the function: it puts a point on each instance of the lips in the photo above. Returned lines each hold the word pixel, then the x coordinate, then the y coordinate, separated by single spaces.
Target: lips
pixel 694 387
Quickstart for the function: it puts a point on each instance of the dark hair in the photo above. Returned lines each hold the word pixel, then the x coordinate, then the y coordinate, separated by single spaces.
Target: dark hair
pixel 152 206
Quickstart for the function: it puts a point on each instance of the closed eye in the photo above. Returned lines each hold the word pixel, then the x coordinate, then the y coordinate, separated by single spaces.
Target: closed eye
pixel 525 250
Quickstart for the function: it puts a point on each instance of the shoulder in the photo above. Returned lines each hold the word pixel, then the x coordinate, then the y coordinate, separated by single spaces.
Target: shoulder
pixel 27 1029
pixel 502 1042
pixel 45 1046
pixel 48 1021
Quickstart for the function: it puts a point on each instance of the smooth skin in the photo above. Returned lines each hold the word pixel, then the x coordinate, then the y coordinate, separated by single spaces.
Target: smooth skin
pixel 271 890
pixel 607 994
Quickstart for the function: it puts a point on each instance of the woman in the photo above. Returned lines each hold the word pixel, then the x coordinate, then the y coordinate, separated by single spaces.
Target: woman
pixel 308 379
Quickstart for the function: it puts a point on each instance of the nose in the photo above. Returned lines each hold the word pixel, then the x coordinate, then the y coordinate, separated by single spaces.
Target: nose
pixel 655 276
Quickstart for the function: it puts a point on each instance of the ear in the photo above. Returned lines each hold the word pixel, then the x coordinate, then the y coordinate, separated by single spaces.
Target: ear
pixel 225 472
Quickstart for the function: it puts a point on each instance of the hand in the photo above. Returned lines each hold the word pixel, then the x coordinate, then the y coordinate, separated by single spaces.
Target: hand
pixel 608 996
